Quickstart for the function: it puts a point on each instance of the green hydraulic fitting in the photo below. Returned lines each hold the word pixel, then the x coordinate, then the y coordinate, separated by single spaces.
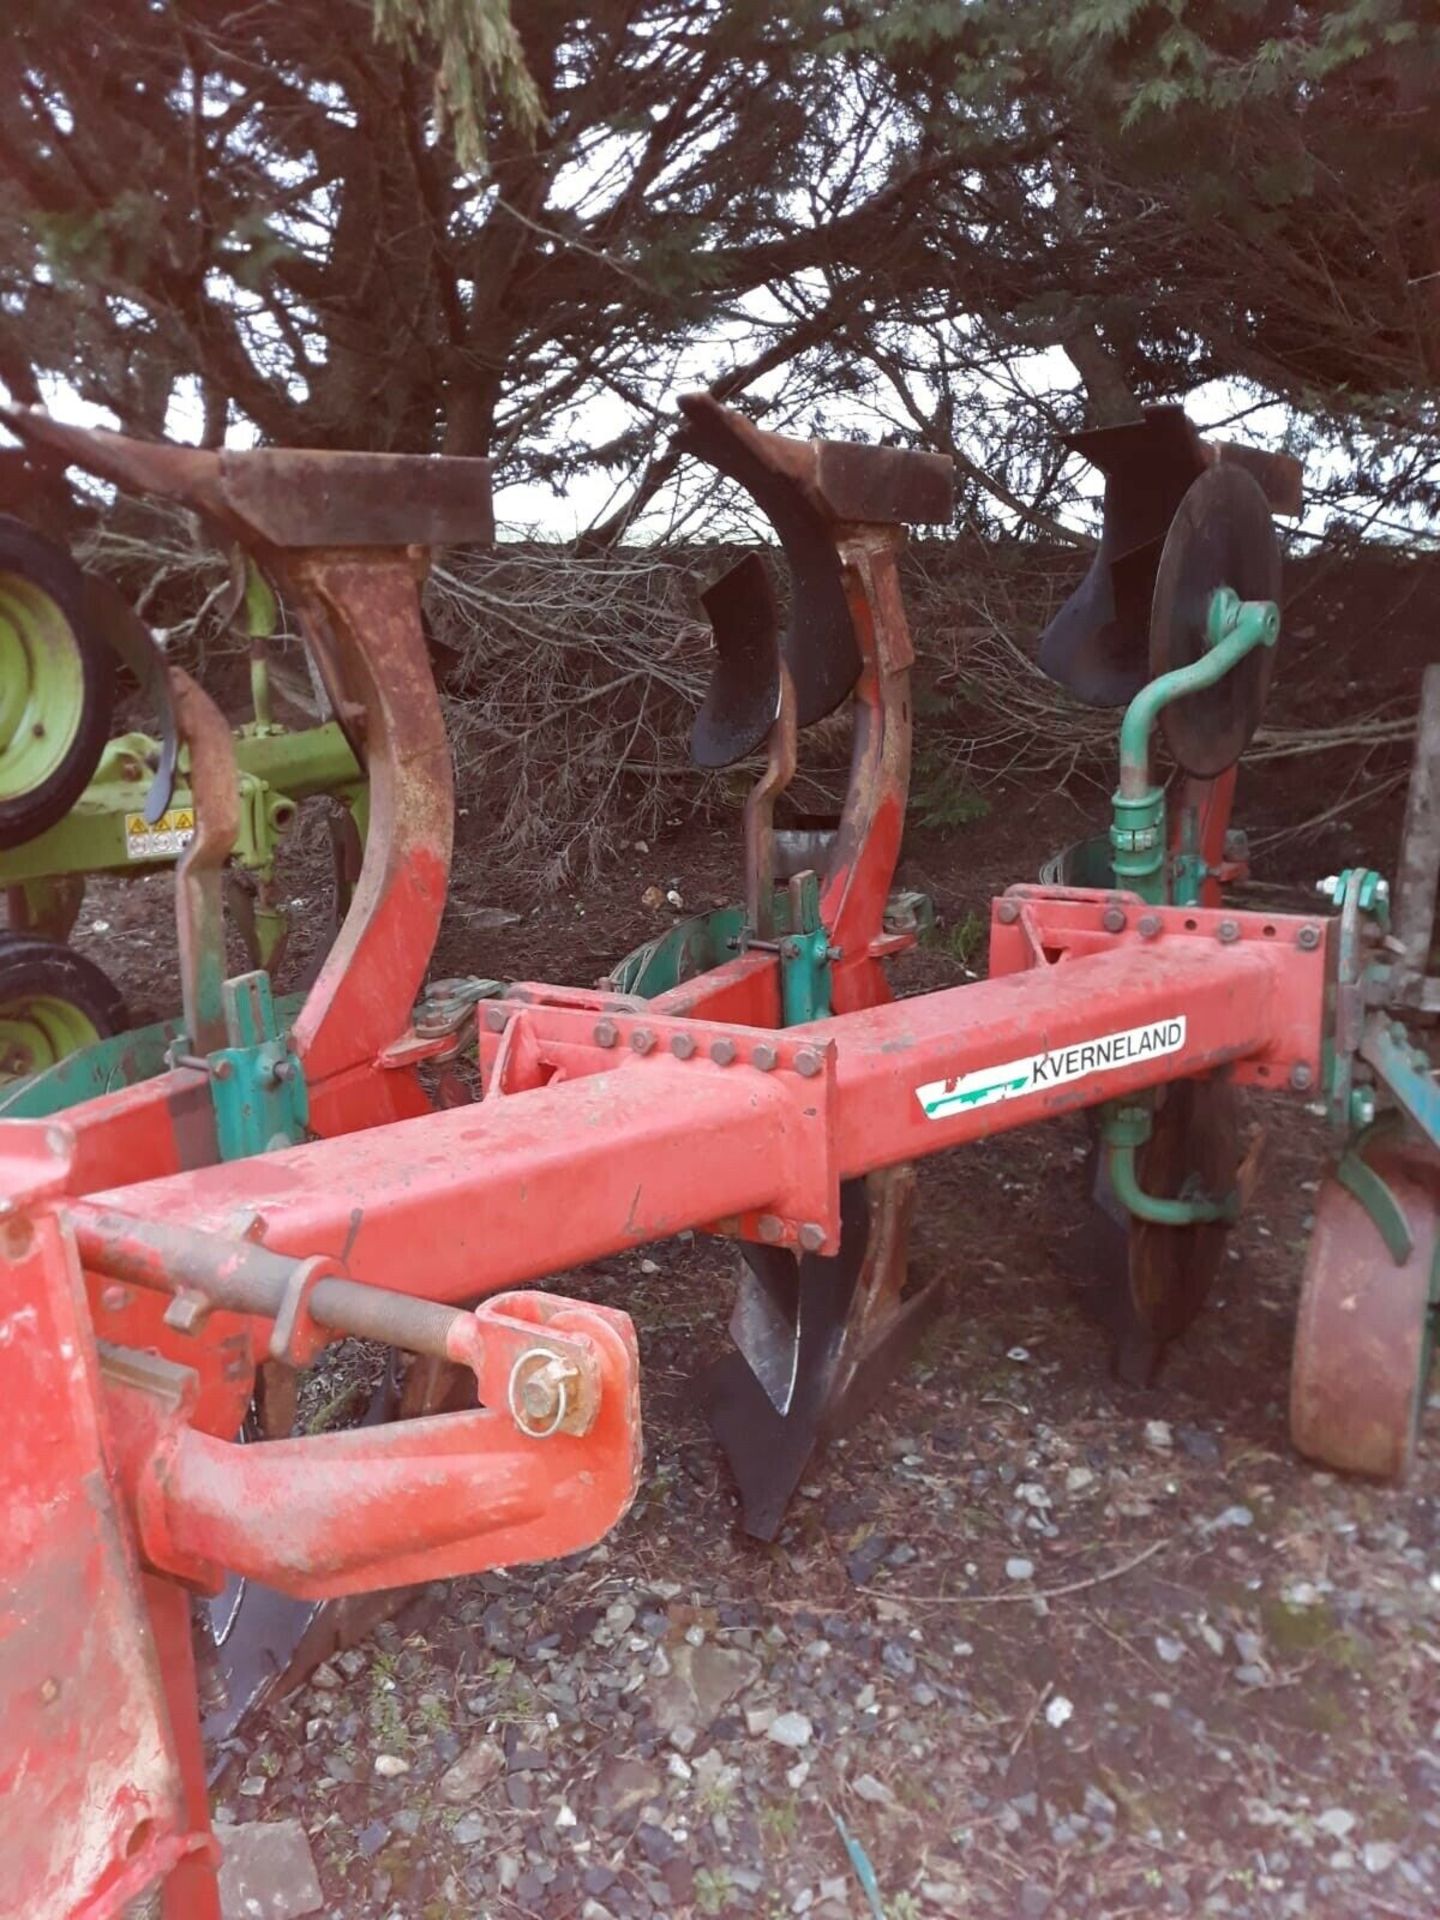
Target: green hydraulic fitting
pixel 1125 1127
pixel 1233 629
pixel 1137 843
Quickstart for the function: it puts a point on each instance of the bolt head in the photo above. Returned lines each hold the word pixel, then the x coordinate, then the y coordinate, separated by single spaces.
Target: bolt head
pixel 496 1019
pixel 682 1045
pixel 1113 920
pixel 1228 932
pixel 808 1062
pixel 812 1236
pixel 642 1040
pixel 1328 887
pixel 1008 912
pixel 770 1228
pixel 722 1052
pixel 606 1033
pixel 766 1057
pixel 1148 926
pixel 114 1298
pixel 1301 1078
pixel 1307 939
pixel 539 1393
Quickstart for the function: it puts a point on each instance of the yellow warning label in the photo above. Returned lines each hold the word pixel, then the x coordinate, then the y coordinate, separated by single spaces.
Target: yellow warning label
pixel 169 836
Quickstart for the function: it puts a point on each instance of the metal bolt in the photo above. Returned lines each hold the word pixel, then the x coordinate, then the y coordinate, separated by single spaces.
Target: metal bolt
pixel 808 1062
pixel 1382 889
pixel 812 1236
pixel 496 1019
pixel 682 1045
pixel 1148 926
pixel 1328 887
pixel 115 1298
pixel 606 1033
pixel 1008 912
pixel 1228 932
pixel 722 1052
pixel 1113 920
pixel 789 949
pixel 642 1040
pixel 540 1390
pixel 221 1069
pixel 49 1690
pixel 770 1228
pixel 1308 939
pixel 1362 1107
pixel 766 1057
pixel 1301 1078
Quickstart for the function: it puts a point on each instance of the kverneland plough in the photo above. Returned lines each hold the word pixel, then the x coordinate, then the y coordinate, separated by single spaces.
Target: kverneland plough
pixel 174 1251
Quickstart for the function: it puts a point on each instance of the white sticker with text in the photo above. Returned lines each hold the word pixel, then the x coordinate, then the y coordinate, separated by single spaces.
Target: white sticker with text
pixel 983 1088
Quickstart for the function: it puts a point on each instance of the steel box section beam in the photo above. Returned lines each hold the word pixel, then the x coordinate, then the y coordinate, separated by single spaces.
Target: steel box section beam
pixel 527 1184
pixel 530 1182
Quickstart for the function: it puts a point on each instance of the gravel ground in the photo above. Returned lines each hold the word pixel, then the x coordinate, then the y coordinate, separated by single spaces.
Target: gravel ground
pixel 1036 1645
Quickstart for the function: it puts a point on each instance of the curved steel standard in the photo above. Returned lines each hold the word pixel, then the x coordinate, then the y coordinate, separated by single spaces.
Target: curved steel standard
pixel 778 1097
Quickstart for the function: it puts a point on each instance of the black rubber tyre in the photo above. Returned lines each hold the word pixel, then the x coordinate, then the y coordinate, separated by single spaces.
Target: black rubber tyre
pixel 40 572
pixel 52 1001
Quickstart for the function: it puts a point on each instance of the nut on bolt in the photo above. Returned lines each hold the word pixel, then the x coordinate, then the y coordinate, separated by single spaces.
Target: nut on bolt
pixel 1228 932
pixel 1008 912
pixel 1307 939
pixel 1113 920
pixel 811 1236
pixel 1301 1078
pixel 722 1052
pixel 682 1045
pixel 766 1057
pixel 1148 926
pixel 808 1062
pixel 606 1033
pixel 770 1228
pixel 541 1392
pixel 642 1040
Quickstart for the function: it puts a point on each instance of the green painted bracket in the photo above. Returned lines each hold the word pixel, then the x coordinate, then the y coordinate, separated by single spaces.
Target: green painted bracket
pixel 108 1065
pixel 256 1082
pixel 804 957
pixel 1360 1179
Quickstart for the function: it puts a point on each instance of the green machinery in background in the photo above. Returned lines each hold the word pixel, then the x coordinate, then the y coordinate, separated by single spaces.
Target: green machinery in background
pixel 75 802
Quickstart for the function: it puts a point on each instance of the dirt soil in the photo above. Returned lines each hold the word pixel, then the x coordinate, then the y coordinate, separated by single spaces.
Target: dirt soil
pixel 1038 1644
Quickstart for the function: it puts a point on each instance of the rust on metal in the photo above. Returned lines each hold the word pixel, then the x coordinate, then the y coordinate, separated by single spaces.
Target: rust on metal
pixel 200 875
pixel 1358 1379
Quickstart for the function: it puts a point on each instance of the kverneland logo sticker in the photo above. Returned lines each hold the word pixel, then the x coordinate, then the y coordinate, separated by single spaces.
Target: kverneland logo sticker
pixel 1016 1077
